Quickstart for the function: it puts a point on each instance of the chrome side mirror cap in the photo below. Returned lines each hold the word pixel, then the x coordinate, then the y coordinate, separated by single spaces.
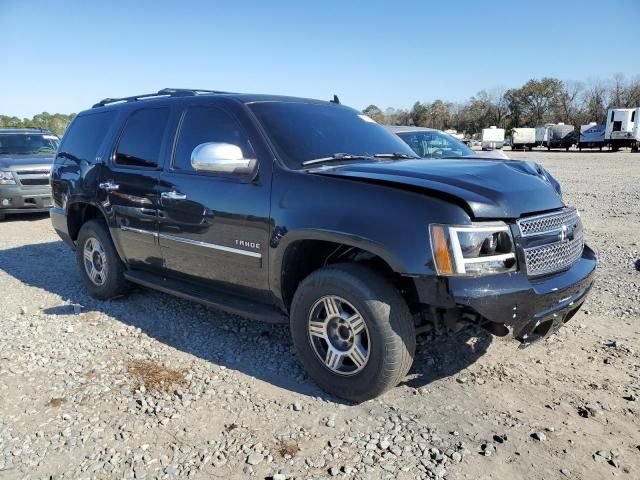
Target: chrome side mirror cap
pixel 221 158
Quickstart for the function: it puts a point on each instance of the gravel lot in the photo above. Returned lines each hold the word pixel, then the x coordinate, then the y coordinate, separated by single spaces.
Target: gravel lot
pixel 150 386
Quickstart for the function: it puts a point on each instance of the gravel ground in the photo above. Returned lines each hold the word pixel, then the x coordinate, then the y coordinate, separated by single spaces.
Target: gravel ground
pixel 150 386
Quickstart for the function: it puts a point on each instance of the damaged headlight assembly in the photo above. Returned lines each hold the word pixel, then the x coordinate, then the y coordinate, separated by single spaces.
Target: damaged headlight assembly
pixel 472 250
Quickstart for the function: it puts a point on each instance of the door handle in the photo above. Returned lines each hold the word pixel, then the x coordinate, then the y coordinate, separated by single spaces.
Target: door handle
pixel 108 186
pixel 173 195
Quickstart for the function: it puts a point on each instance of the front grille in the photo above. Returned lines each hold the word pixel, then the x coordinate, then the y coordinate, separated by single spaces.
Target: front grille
pixel 34 181
pixel 32 178
pixel 42 171
pixel 551 242
pixel 553 257
pixel 548 222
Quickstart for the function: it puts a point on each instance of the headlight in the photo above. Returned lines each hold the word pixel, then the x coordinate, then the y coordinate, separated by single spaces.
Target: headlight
pixel 6 178
pixel 478 249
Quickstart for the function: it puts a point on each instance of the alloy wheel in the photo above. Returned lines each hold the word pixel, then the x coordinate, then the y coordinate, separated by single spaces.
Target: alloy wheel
pixel 339 335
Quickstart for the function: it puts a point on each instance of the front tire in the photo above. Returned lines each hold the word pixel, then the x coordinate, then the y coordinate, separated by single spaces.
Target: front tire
pixel 353 331
pixel 100 266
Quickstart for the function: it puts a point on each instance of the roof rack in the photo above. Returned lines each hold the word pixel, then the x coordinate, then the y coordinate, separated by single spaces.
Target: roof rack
pixel 165 92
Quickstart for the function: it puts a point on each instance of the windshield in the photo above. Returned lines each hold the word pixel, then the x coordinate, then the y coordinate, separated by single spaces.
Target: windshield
pixel 434 144
pixel 308 131
pixel 28 144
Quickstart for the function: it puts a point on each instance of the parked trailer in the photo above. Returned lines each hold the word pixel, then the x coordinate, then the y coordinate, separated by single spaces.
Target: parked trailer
pixel 592 136
pixel 523 138
pixel 623 128
pixel 542 135
pixel 561 136
pixel 492 138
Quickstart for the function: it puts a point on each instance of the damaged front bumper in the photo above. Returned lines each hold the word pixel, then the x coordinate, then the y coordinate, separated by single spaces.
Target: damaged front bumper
pixel 530 308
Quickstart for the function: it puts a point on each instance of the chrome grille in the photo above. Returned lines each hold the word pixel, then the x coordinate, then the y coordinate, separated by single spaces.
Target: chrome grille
pixel 548 222
pixel 551 242
pixel 553 257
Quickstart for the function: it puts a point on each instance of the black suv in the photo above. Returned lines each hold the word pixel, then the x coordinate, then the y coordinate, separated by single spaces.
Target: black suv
pixel 308 212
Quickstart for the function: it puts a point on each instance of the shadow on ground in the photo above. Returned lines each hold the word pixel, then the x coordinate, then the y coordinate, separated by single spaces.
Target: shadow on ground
pixel 263 351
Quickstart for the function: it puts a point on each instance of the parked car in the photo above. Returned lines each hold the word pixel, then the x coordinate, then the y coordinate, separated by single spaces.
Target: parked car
pixel 432 143
pixel 26 156
pixel 308 212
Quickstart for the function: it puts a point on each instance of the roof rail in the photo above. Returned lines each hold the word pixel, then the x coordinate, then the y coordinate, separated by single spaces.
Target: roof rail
pixel 165 92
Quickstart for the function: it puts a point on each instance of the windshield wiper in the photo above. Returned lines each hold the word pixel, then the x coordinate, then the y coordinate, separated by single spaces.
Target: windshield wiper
pixel 396 156
pixel 337 157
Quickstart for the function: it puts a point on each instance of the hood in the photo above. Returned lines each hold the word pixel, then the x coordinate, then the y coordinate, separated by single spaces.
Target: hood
pixel 493 189
pixel 20 162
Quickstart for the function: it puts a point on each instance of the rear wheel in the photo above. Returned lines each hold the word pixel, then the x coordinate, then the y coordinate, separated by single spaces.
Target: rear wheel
pixel 100 266
pixel 2 216
pixel 353 331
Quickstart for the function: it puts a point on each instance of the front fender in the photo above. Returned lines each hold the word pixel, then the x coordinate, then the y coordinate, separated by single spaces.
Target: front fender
pixel 390 222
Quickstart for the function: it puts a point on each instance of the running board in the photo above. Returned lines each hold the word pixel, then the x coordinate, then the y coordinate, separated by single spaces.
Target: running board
pixel 206 296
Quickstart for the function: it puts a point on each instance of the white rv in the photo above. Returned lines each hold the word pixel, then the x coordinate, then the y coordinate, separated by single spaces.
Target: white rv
pixel 623 128
pixel 561 136
pixel 591 136
pixel 492 138
pixel 523 138
pixel 542 134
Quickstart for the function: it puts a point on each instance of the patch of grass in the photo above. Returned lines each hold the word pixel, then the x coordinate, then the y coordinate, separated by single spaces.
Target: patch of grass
pixel 288 448
pixel 56 402
pixel 155 376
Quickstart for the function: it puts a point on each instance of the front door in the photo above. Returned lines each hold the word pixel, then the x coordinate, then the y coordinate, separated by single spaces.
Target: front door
pixel 214 227
pixel 129 185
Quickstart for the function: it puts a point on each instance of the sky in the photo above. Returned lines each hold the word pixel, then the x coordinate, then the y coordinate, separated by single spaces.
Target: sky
pixel 63 56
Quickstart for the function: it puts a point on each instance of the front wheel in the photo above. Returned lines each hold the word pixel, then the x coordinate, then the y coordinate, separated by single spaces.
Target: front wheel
pixel 100 266
pixel 353 331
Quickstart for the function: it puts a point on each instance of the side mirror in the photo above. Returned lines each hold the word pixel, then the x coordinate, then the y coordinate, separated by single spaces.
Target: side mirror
pixel 221 158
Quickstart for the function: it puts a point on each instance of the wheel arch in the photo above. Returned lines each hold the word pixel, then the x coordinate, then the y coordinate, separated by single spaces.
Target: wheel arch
pixel 78 213
pixel 305 251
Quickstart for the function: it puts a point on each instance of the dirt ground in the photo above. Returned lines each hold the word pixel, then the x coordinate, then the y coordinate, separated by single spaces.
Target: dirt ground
pixel 150 386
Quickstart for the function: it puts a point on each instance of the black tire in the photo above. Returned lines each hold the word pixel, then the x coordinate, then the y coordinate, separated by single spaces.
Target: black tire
pixel 388 321
pixel 2 216
pixel 114 283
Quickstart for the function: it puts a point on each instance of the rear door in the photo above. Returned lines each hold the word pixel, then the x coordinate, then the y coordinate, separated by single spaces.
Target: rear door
pixel 214 227
pixel 129 185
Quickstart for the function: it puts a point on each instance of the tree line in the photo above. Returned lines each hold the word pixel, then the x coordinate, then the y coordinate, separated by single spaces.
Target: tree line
pixel 538 101
pixel 56 122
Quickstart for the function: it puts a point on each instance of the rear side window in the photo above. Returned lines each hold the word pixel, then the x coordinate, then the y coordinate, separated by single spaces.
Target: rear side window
pixel 140 142
pixel 208 124
pixel 85 135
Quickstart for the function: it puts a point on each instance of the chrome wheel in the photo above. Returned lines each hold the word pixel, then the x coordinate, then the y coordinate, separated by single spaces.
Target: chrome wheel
pixel 338 335
pixel 95 261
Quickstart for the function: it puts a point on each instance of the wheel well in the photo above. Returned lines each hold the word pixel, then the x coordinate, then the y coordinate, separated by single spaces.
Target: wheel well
pixel 79 214
pixel 305 256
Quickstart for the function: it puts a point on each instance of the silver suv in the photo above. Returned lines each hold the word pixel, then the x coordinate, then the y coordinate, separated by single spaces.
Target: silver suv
pixel 26 156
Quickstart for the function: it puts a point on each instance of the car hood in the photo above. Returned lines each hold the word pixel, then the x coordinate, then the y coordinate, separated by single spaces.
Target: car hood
pixel 506 189
pixel 20 162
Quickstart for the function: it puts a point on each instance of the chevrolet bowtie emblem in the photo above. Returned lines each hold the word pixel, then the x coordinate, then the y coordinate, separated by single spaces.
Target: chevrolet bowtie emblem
pixel 566 233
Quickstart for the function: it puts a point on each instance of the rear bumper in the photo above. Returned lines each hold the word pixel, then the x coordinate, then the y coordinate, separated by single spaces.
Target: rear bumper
pixel 16 199
pixel 60 225
pixel 531 308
